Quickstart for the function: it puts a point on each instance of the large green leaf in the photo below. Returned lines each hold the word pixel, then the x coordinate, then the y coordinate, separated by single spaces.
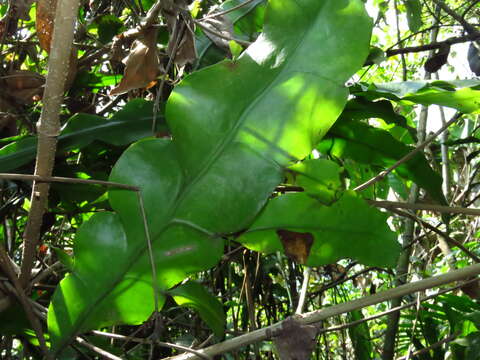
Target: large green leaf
pixel 349 228
pixel 369 145
pixel 235 126
pixel 462 95
pixel 194 295
pixel 133 122
pixel 414 14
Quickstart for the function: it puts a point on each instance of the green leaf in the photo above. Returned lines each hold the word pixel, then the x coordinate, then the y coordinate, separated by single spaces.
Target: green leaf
pixel 369 145
pixel 360 336
pixel 133 122
pixel 320 178
pixel 108 27
pixel 414 14
pixel 462 95
pixel 112 250
pixel 14 321
pixel 94 80
pixel 360 109
pixel 349 228
pixel 195 296
pixel 235 126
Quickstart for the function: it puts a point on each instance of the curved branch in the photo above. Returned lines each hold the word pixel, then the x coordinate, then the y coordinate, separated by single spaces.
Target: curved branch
pixel 320 315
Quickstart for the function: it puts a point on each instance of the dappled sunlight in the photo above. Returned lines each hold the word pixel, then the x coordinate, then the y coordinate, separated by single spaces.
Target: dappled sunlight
pixel 305 103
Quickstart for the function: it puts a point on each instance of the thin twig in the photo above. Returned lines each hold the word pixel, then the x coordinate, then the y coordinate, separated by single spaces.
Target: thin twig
pixel 156 290
pixel 433 346
pixel 58 179
pixel 469 28
pixel 395 309
pixel 222 36
pixel 5 265
pixel 96 349
pixel 320 315
pixel 178 30
pixel 409 156
pixel 221 13
pixel 303 291
pixel 449 239
pixel 428 207
pixel 148 341
pixel 432 46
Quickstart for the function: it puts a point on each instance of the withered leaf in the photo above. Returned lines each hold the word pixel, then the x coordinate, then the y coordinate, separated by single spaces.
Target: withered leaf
pixel 296 245
pixel 181 45
pixel 295 341
pixel 24 86
pixel 220 25
pixel 141 65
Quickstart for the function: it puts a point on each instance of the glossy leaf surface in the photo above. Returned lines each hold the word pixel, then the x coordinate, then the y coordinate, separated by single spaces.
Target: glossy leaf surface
pixel 462 95
pixel 349 228
pixel 319 178
pixel 235 126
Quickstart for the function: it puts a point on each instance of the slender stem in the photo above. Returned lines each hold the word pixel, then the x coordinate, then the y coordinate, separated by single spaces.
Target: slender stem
pixel 410 155
pixel 320 315
pixel 303 291
pixel 221 13
pixel 50 179
pixel 49 127
pixel 428 207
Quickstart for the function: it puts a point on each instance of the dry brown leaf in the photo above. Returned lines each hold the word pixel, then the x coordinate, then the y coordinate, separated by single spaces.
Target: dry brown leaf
pixel 24 86
pixel 296 245
pixel 141 65
pixel 45 21
pixel 180 27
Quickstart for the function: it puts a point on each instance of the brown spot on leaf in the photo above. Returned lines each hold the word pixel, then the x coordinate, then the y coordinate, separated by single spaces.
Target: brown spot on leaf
pixel 296 244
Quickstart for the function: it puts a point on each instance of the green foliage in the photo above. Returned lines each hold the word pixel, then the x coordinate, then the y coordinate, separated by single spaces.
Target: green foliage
pixel 360 336
pixel 108 27
pixel 131 123
pixel 194 295
pixel 246 180
pixel 369 145
pixel 348 228
pixel 462 95
pixel 241 145
pixel 414 14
